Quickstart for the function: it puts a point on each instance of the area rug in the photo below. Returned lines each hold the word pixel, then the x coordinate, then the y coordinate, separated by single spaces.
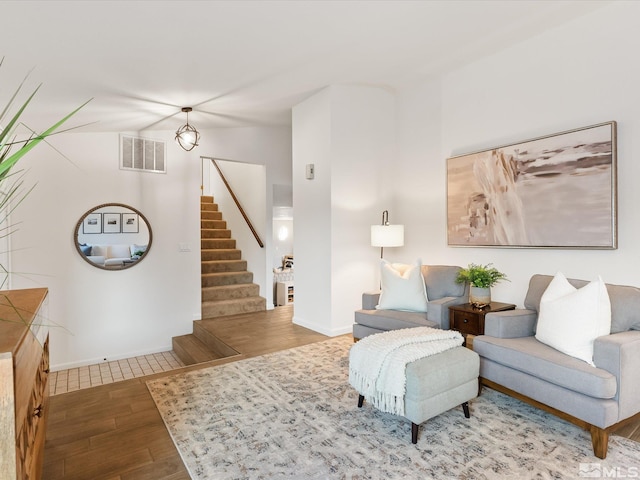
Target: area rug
pixel 292 414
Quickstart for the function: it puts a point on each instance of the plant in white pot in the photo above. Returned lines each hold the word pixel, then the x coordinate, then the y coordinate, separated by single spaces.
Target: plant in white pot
pixel 480 278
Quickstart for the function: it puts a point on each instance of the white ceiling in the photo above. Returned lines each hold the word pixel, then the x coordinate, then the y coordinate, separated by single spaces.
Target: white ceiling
pixel 242 62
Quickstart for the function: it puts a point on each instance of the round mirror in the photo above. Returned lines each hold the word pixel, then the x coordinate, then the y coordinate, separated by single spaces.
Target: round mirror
pixel 113 236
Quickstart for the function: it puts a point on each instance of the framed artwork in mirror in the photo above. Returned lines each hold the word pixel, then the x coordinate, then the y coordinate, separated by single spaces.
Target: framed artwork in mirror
pixel 130 223
pixel 92 223
pixel 110 223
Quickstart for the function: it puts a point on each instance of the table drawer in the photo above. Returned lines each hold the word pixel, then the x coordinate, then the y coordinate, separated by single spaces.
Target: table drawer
pixel 466 323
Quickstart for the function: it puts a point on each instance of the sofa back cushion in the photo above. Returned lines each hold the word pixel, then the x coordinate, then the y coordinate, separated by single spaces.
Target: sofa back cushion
pixel 119 251
pixel 625 301
pixel 100 250
pixel 440 281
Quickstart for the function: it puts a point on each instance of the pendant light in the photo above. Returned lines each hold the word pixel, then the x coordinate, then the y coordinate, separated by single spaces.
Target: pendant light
pixel 187 136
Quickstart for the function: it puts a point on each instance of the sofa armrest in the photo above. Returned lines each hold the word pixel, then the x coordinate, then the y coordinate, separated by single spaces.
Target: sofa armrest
pixel 370 300
pixel 438 310
pixel 510 323
pixel 619 354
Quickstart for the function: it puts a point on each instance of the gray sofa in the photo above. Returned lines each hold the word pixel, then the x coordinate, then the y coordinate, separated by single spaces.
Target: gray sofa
pixel 598 399
pixel 442 292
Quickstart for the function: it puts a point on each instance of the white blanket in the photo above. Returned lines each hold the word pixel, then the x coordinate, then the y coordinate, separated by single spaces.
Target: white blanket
pixel 377 363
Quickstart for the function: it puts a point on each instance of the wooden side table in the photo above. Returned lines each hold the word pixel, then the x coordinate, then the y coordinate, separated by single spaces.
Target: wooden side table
pixel 469 320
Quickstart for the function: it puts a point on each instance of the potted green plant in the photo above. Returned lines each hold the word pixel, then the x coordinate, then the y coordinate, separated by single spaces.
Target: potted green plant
pixel 480 278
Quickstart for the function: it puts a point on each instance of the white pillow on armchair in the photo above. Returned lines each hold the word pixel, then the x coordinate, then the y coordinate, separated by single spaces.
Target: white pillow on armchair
pixel 402 287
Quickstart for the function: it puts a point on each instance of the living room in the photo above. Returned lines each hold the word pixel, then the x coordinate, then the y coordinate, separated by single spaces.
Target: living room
pixel 467 109
pixel 575 72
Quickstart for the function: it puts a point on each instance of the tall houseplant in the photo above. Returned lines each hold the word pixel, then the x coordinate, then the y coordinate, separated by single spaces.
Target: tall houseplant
pixel 480 278
pixel 12 150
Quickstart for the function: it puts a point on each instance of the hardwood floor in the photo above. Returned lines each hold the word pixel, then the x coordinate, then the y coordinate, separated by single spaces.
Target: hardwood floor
pixel 114 431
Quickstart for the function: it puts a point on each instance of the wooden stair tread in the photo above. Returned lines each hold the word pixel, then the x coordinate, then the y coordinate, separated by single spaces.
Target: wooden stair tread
pixel 212 342
pixel 191 350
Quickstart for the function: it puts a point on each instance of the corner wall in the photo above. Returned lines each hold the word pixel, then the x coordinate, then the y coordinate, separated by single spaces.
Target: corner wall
pixel 347 132
pixel 572 76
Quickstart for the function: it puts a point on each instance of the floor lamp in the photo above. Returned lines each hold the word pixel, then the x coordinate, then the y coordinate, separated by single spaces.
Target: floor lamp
pixel 386 235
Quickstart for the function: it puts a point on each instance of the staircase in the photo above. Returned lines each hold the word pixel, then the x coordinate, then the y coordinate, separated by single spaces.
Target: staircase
pixel 227 287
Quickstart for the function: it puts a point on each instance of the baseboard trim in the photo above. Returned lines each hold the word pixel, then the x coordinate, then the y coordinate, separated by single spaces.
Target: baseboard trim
pixel 94 361
pixel 330 332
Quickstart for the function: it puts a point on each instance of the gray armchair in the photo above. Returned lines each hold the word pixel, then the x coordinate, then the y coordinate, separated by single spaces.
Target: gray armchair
pixel 442 292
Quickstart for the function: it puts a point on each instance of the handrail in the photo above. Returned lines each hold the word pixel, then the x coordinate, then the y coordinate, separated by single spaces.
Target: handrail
pixel 235 199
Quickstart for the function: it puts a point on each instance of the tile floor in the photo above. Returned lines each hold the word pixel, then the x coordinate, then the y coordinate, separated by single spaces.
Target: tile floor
pixel 64 381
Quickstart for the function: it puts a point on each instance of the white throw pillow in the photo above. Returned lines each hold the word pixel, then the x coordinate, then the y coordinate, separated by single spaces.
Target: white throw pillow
pixel 402 287
pixel 138 248
pixel 570 319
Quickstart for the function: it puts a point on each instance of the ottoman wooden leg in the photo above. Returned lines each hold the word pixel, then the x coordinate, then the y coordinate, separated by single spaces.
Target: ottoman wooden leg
pixel 360 400
pixel 414 432
pixel 465 408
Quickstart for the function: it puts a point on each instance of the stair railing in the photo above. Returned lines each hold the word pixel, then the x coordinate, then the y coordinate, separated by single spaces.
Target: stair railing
pixel 237 202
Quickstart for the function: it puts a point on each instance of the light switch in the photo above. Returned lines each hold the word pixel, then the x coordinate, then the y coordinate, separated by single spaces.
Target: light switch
pixel 311 169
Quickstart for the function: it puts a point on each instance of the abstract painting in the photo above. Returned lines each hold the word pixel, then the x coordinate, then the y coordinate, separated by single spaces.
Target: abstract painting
pixel 556 191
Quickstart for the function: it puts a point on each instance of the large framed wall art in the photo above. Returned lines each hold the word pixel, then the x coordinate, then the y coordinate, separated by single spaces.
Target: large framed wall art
pixel 557 191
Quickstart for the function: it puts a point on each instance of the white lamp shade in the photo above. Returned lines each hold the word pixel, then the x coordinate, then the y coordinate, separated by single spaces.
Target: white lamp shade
pixel 387 235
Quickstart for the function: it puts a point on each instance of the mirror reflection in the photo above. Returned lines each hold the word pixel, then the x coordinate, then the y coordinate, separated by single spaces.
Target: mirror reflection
pixel 113 236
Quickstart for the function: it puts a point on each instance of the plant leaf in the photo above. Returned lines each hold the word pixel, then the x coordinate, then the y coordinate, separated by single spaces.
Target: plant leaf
pixel 13 159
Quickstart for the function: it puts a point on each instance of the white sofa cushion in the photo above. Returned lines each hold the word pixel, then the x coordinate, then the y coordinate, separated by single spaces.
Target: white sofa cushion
pixel 100 250
pixel 119 251
pixel 98 259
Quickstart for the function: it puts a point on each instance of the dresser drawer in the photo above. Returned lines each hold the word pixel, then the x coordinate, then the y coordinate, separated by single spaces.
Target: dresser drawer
pixel 466 322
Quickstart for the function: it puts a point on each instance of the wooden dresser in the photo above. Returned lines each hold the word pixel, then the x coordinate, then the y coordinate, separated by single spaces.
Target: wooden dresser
pixel 24 382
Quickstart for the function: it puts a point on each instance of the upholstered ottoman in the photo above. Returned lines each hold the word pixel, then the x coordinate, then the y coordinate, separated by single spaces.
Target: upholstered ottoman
pixel 438 383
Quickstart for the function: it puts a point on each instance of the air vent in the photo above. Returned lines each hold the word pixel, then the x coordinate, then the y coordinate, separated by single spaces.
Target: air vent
pixel 142 154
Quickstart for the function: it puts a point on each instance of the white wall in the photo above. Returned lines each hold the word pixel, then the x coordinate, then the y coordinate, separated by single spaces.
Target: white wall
pixel 347 132
pixel 576 75
pixel 118 314
pixel 311 141
pixel 109 314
